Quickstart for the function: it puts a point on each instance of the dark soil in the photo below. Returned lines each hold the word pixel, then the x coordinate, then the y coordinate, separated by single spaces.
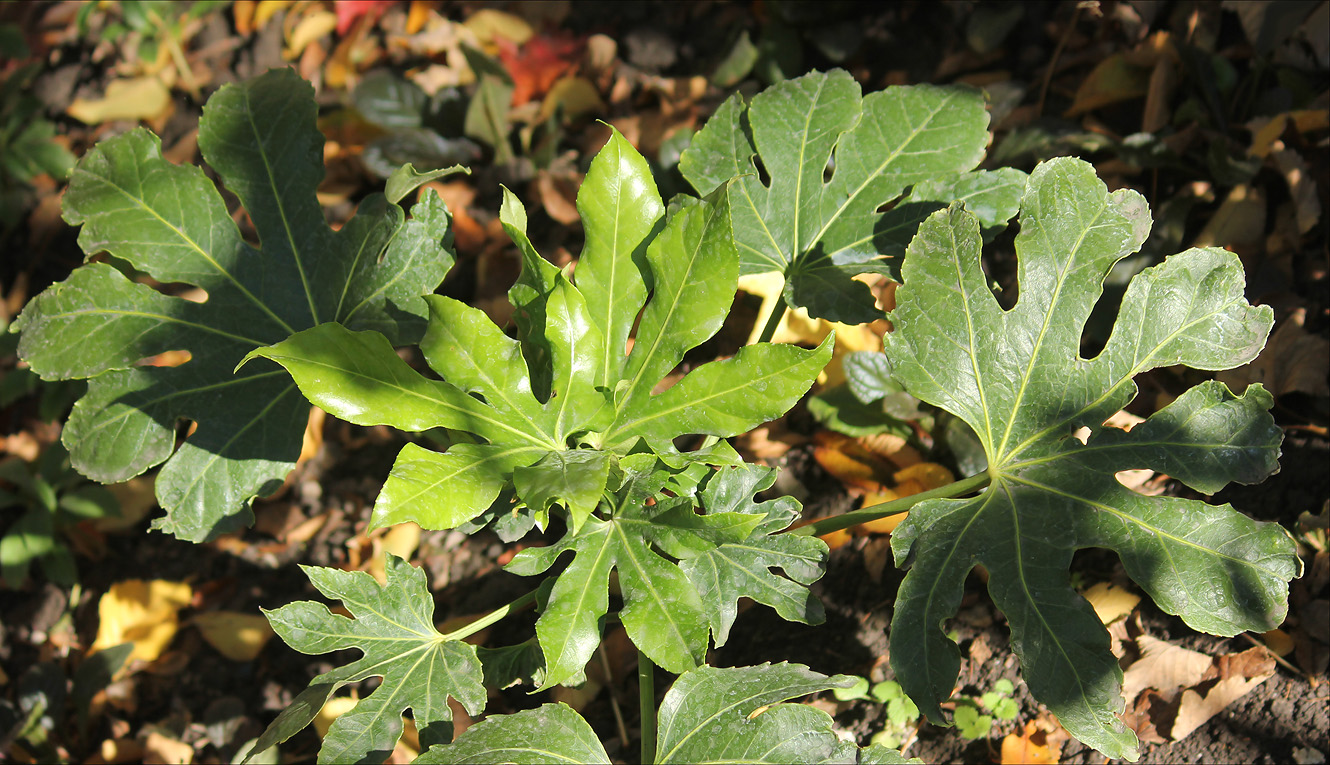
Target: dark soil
pixel 197 696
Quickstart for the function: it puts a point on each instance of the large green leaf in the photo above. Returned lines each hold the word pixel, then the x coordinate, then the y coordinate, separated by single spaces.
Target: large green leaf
pixel 569 382
pixel 1017 378
pixel 819 232
pixel 170 223
pixel 714 715
pixel 393 626
pixel 566 420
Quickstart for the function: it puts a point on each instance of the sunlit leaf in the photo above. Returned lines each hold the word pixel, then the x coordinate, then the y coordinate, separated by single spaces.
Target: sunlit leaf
pixel 393 627
pixel 813 165
pixel 171 223
pixel 1017 378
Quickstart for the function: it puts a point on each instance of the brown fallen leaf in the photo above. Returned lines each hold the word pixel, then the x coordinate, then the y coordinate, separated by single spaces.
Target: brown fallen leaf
pixel 1235 676
pixel 1293 361
pixel 1171 691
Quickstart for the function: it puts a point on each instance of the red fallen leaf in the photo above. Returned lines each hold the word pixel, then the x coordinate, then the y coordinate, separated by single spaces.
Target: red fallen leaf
pixel 350 10
pixel 539 63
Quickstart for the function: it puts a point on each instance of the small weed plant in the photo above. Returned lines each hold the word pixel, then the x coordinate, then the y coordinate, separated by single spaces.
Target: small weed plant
pixel 561 425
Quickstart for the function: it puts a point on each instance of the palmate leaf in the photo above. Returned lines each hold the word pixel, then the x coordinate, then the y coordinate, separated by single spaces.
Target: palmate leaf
pixel 821 233
pixel 715 715
pixel 567 420
pixel 683 562
pixel 1017 378
pixel 393 626
pixel 171 223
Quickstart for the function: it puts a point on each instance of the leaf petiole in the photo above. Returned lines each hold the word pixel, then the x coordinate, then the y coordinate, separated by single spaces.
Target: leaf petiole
pixel 492 617
pixel 894 507
pixel 646 700
pixel 773 321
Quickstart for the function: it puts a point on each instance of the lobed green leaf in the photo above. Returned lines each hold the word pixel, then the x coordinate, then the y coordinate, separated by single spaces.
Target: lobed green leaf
pixel 170 223
pixel 820 232
pixel 393 627
pixel 1017 378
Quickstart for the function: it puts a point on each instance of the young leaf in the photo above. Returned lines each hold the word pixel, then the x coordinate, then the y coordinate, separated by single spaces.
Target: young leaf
pixel 595 396
pixel 724 553
pixel 1017 378
pixel 551 733
pixel 568 420
pixel 736 715
pixel 821 233
pixel 394 628
pixel 171 223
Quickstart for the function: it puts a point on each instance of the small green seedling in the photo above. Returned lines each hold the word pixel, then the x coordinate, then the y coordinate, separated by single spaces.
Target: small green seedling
pixel 48 496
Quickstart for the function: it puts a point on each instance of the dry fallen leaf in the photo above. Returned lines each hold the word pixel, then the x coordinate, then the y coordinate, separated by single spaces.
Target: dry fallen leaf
pixel 1171 691
pixel 140 98
pixel 1237 674
pixel 400 540
pixel 1035 745
pixel 144 613
pixel 163 750
pixel 1110 601
pixel 237 636
pixel 1293 361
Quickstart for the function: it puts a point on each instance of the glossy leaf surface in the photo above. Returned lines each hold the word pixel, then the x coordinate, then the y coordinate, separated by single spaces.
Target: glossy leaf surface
pixel 551 733
pixel 170 223
pixel 393 627
pixel 566 420
pixel 736 715
pixel 1017 378
pixel 821 231
pixel 683 562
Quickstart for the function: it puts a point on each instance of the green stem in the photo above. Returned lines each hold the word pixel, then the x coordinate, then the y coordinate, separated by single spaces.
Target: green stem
pixel 773 321
pixel 492 617
pixel 646 700
pixel 895 507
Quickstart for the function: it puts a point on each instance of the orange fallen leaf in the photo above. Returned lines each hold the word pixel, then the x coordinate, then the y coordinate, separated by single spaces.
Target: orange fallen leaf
pixel 538 64
pixel 1030 747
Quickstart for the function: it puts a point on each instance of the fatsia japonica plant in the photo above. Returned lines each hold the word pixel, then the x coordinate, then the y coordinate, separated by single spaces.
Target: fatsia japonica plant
pixel 170 224
pixel 572 421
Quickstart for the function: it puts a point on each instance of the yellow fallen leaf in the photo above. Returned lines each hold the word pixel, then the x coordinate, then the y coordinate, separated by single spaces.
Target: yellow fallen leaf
pixel 310 28
pixel 401 540
pixel 140 98
pixel 266 9
pixel 144 613
pixel 1110 602
pixel 237 636
pixel 1264 135
pixel 166 751
pixel 576 95
pixel 925 475
pixel 1239 221
pixel 487 24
